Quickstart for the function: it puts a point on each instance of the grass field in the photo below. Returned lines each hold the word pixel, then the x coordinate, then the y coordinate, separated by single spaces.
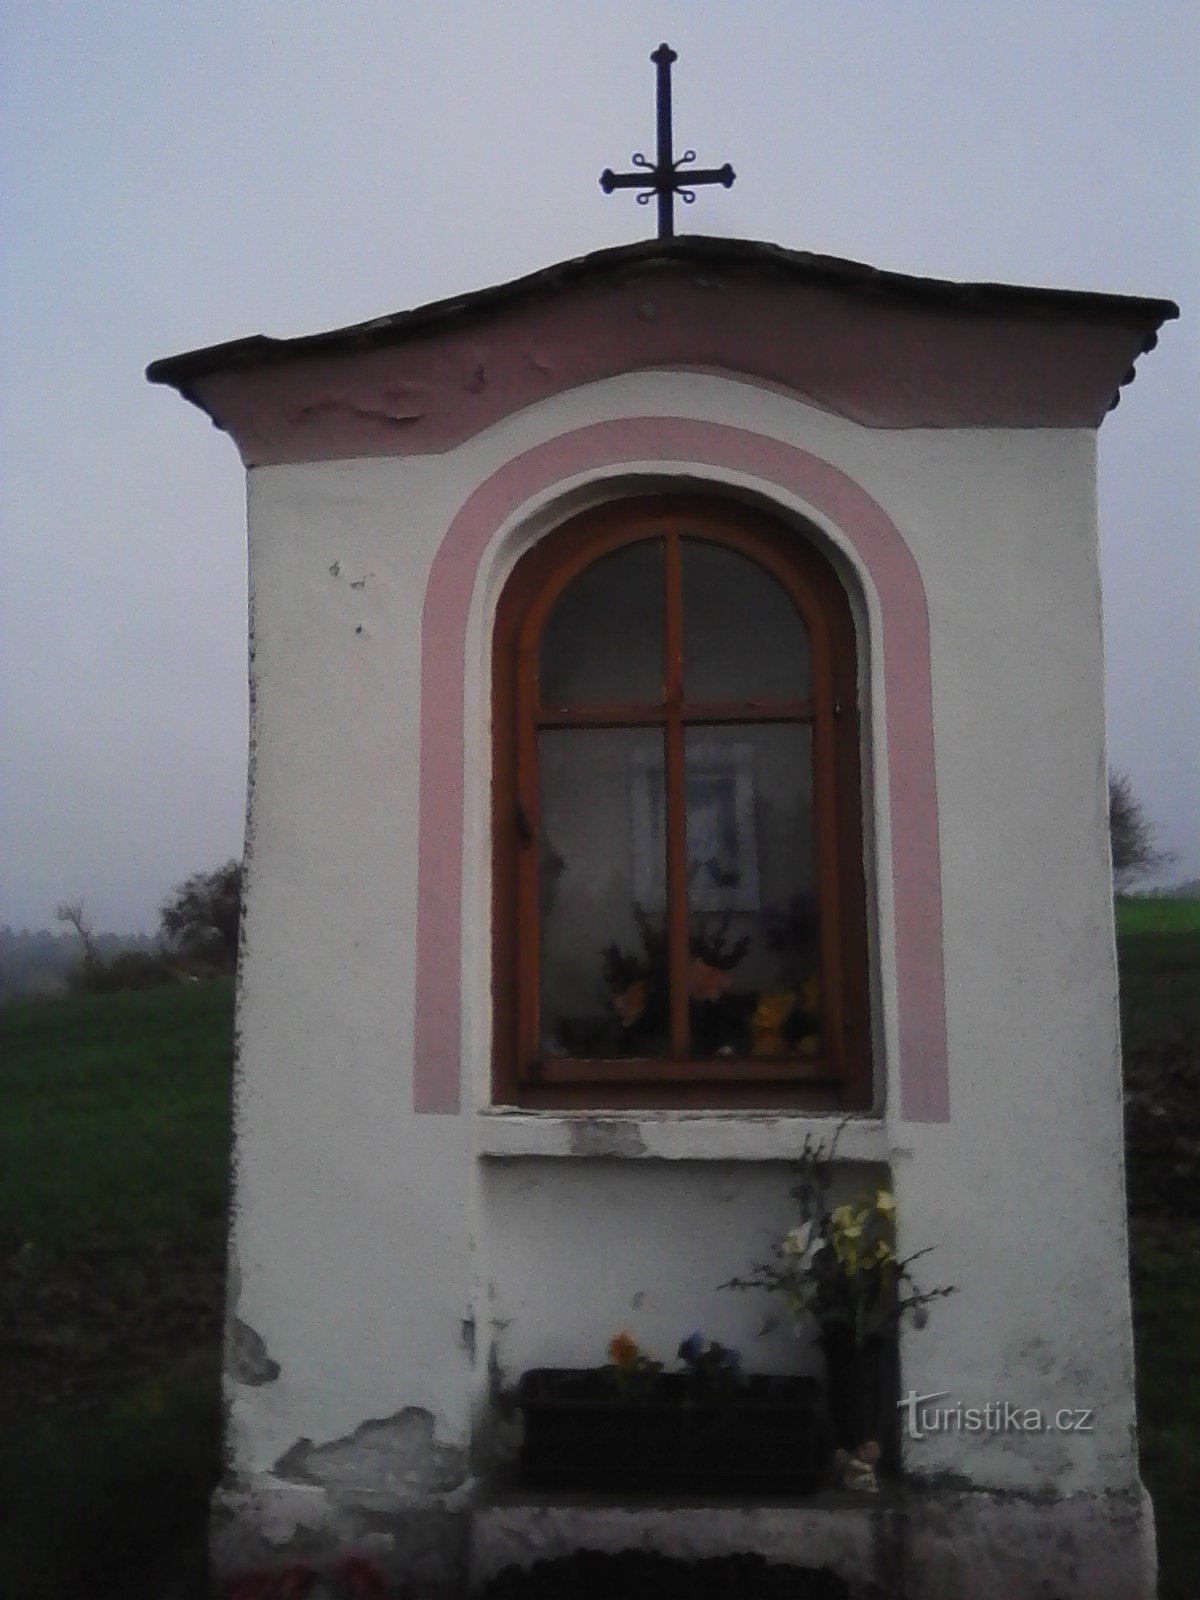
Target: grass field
pixel 1157 914
pixel 113 1190
pixel 1160 1015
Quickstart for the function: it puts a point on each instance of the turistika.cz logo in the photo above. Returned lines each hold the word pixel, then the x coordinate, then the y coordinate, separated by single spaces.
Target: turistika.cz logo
pixel 997 1416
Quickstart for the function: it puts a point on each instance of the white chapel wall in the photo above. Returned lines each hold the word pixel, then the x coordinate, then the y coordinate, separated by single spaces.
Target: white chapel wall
pixel 370 1242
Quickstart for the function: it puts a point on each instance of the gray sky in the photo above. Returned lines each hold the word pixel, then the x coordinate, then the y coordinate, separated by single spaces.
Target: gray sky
pixel 180 174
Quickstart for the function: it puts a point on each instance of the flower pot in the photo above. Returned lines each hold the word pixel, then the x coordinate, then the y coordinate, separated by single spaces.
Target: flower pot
pixel 667 1432
pixel 862 1386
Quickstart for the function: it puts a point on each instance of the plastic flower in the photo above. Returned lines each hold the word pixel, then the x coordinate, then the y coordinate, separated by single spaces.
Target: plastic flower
pixel 838 1266
pixel 630 1003
pixel 294 1583
pixel 362 1578
pixel 803 1244
pixel 706 982
pixel 623 1350
pixel 848 1236
pixel 692 1348
pixel 796 1240
pixel 773 1009
pixel 707 1359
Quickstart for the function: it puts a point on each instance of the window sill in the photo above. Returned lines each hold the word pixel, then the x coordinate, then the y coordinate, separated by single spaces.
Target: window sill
pixel 505 1133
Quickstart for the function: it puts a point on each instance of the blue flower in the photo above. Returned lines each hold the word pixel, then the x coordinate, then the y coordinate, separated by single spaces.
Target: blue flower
pixel 692 1348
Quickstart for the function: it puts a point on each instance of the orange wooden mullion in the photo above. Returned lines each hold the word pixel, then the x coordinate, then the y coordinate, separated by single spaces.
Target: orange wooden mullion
pixel 611 715
pixel 528 928
pixel 675 799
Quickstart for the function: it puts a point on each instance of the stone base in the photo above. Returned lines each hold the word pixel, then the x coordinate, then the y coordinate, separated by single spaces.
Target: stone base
pixel 421 1549
pixel 914 1545
pixel 901 1545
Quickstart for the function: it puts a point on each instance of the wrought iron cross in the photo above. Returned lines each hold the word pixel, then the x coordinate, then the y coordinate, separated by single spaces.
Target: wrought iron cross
pixel 663 177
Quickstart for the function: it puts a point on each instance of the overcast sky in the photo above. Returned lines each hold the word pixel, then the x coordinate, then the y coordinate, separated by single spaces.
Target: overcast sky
pixel 180 174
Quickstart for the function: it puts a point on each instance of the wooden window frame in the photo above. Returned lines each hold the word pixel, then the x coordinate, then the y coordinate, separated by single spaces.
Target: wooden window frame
pixel 840 1077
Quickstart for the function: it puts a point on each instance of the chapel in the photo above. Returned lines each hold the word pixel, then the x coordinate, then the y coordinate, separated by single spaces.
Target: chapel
pixel 677 742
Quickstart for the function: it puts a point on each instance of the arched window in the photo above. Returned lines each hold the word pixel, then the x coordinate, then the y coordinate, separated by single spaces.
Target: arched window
pixel 679 913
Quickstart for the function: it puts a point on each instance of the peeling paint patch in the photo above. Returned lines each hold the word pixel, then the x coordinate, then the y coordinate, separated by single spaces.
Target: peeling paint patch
pixel 396 1455
pixel 608 1136
pixel 396 417
pixel 246 1357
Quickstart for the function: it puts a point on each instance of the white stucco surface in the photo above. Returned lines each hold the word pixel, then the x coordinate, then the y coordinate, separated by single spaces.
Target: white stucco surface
pixel 387 1258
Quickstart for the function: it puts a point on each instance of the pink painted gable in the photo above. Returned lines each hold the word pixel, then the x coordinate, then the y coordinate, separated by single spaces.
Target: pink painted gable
pixel 881 363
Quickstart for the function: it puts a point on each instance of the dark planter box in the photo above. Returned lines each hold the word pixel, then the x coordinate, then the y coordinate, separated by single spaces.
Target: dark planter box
pixel 670 1433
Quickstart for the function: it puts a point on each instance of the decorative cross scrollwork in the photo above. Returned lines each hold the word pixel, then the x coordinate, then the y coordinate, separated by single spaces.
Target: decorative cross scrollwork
pixel 664 177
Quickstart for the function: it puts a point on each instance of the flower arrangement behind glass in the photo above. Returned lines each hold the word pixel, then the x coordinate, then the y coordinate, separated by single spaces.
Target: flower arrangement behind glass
pixel 637 986
pixel 837 1268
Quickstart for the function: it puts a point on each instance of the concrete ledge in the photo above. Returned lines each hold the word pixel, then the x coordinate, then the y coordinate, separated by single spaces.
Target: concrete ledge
pixel 905 1544
pixel 937 1545
pixel 518 1535
pixel 502 1133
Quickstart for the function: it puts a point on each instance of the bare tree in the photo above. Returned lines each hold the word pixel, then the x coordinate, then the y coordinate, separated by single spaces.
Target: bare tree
pixel 72 911
pixel 1134 852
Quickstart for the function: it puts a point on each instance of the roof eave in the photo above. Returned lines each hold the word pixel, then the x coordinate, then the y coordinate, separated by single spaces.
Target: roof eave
pixel 981 299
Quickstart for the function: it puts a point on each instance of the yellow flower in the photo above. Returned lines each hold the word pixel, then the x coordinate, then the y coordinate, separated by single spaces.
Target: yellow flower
pixel 623 1350
pixel 885 1203
pixel 772 1011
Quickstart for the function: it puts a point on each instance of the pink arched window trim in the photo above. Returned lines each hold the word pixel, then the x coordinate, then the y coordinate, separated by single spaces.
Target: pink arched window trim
pixel 889 564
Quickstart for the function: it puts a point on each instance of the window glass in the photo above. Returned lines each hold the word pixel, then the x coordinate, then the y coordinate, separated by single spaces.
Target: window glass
pixel 603 943
pixel 752 920
pixel 743 638
pixel 676 713
pixel 603 640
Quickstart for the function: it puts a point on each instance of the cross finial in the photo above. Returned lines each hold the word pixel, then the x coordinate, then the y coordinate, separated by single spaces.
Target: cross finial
pixel 663 178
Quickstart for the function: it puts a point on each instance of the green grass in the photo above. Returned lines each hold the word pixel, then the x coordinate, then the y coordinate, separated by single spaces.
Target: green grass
pixel 1160 1014
pixel 113 1188
pixel 113 1193
pixel 1157 914
pixel 1166 1305
pixel 111 1499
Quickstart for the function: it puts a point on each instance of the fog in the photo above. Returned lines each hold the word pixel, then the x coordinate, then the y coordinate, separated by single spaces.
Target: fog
pixel 181 175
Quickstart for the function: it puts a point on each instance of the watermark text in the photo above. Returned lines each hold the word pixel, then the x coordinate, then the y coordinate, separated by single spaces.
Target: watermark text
pixel 924 1416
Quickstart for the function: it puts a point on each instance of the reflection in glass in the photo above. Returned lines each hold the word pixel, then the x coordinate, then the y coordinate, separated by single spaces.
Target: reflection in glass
pixel 753 986
pixel 603 640
pixel 743 638
pixel 603 954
